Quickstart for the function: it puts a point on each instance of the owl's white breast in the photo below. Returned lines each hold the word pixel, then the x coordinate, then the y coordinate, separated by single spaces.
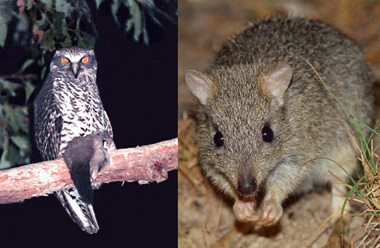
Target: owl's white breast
pixel 81 110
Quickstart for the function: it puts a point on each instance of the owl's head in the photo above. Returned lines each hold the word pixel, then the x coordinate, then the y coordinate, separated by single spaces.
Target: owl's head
pixel 75 61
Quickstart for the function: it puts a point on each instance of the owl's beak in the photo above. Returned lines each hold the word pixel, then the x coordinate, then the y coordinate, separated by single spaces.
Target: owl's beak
pixel 75 69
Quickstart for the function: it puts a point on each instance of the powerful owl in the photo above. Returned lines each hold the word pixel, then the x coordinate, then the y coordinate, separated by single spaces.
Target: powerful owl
pixel 71 123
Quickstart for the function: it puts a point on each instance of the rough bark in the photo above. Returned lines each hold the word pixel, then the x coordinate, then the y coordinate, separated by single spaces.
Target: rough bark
pixel 144 164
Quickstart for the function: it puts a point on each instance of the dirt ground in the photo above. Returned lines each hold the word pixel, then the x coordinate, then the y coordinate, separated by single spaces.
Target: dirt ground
pixel 205 217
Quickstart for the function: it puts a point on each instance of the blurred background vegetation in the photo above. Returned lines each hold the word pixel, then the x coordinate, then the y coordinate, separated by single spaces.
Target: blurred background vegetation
pixel 31 30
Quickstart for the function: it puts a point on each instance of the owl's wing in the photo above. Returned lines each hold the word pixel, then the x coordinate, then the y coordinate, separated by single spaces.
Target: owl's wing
pixel 108 124
pixel 109 131
pixel 47 122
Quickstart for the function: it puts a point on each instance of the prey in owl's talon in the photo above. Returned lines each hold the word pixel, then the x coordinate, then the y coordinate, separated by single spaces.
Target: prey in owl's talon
pixel 100 159
pixel 85 157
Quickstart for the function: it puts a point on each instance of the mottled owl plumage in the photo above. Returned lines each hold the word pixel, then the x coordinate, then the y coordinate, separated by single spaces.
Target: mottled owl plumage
pixel 68 106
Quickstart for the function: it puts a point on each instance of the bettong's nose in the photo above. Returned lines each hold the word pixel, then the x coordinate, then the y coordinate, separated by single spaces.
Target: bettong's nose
pixel 247 185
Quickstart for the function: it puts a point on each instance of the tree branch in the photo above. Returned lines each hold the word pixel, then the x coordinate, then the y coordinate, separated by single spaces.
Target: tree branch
pixel 143 164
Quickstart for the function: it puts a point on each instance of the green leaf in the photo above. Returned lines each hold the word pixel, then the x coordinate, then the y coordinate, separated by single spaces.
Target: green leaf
pixel 98 3
pixel 23 119
pixel 12 156
pixel 135 20
pixel 29 5
pixel 42 20
pixel 59 22
pixel 1 138
pixel 26 64
pixel 81 42
pixel 43 71
pixel 3 29
pixel 115 5
pixel 67 41
pixel 58 18
pixel 4 163
pixel 63 6
pixel 9 86
pixel 9 117
pixel 88 39
pixel 29 88
pixel 145 37
pixel 128 25
pixel 49 3
pixel 48 39
pixel 21 142
pixel 16 118
pixel 41 60
pixel 78 24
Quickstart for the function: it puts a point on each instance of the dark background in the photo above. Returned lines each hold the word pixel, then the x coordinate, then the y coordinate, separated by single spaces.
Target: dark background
pixel 138 87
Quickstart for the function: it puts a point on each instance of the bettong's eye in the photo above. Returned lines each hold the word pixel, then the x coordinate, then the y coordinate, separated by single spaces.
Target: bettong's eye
pixel 85 60
pixel 267 133
pixel 64 60
pixel 219 139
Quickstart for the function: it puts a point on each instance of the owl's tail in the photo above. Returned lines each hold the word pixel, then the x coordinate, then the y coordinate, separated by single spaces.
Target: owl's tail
pixel 81 212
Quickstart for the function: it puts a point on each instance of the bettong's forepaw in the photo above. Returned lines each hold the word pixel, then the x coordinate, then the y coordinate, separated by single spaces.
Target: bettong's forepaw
pixel 271 212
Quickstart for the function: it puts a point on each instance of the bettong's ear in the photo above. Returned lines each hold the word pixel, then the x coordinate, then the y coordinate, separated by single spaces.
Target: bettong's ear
pixel 199 84
pixel 277 81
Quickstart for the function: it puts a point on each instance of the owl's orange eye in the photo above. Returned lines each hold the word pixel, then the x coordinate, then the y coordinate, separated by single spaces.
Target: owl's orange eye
pixel 64 60
pixel 85 60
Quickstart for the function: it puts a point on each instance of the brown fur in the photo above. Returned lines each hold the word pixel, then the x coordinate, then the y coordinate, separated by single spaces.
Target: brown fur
pixel 307 122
